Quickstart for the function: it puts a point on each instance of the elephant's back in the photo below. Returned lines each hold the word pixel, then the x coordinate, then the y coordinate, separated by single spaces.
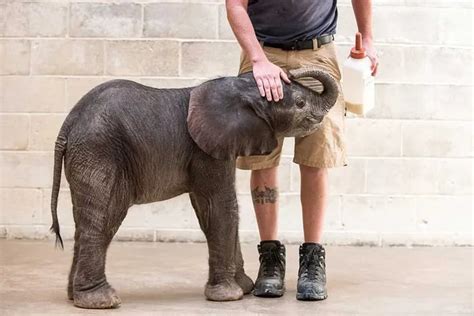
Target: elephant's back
pixel 140 129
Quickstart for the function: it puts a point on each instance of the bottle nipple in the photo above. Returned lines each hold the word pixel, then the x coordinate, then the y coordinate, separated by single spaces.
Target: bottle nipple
pixel 358 52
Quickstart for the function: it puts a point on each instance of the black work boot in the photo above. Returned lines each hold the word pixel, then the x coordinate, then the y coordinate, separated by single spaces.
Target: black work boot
pixel 312 273
pixel 271 275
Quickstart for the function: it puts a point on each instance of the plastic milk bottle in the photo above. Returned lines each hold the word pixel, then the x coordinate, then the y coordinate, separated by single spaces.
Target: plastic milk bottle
pixel 358 82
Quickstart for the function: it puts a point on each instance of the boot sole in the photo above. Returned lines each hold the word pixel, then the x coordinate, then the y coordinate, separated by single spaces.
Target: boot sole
pixel 269 292
pixel 310 297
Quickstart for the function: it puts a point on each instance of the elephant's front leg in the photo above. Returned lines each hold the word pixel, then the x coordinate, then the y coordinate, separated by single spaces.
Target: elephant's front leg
pixel 218 217
pixel 242 279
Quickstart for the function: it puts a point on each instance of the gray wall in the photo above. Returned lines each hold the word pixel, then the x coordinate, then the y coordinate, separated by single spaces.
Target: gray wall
pixel 409 177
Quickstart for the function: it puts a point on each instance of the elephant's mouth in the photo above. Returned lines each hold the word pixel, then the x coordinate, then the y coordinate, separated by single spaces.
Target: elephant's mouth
pixel 312 122
pixel 309 125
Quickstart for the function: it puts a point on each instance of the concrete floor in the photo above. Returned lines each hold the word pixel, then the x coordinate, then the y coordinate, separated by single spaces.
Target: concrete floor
pixel 161 278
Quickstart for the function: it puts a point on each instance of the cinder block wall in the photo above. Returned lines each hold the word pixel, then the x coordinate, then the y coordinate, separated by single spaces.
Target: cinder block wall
pixel 409 177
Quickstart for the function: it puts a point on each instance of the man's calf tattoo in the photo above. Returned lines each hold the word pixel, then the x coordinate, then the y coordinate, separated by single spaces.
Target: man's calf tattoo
pixel 269 195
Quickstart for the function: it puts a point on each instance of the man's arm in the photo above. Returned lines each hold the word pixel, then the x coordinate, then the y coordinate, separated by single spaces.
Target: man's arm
pixel 363 14
pixel 267 75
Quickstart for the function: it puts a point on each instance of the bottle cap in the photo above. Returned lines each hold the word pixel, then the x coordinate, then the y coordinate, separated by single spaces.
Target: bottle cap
pixel 358 52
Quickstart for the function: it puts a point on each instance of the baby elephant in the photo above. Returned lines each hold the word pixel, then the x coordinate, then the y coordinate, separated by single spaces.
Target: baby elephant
pixel 125 143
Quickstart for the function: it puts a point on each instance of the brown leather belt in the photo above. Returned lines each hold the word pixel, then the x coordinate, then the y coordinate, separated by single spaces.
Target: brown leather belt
pixel 300 45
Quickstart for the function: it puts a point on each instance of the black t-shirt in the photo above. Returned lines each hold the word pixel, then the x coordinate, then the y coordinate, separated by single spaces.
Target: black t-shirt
pixel 281 21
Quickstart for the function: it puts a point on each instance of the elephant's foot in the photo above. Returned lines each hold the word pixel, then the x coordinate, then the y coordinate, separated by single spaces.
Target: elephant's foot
pixel 244 281
pixel 224 291
pixel 100 298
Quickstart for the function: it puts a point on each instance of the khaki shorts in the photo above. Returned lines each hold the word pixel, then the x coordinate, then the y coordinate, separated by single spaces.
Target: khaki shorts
pixel 325 148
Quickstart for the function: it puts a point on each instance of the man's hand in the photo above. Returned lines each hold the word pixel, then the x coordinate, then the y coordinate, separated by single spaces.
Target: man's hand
pixel 372 54
pixel 267 76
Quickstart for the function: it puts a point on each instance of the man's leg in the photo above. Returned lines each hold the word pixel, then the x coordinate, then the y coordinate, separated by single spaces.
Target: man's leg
pixel 271 275
pixel 314 191
pixel 312 275
pixel 264 187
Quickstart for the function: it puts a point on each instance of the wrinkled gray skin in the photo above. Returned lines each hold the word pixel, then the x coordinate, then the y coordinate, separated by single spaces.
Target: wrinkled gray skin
pixel 125 144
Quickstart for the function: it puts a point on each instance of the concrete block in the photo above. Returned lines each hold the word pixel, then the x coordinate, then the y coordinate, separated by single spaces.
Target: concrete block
pixel 373 137
pixel 436 139
pixel 67 57
pixel 444 65
pixel 44 131
pixel 170 214
pixel 14 131
pixel 247 220
pixel 105 20
pixel 210 59
pixel 31 19
pixel 405 20
pixel 15 57
pixel 452 102
pixel 225 31
pixel 134 58
pixel 76 88
pixel 20 206
pixel 26 170
pixel 403 101
pixel 402 176
pixel 180 20
pixel 346 24
pixel 455 176
pixel 420 101
pixel 349 179
pixel 343 180
pixel 444 214
pixel 455 26
pixel 378 214
pixel 35 232
pixel 32 94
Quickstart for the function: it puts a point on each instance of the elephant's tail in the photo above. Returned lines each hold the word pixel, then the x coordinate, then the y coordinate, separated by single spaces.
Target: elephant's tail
pixel 59 150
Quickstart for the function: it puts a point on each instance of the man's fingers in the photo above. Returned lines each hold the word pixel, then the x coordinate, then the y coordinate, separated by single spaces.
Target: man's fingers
pixel 260 87
pixel 268 91
pixel 374 66
pixel 274 87
pixel 284 76
pixel 279 87
pixel 374 70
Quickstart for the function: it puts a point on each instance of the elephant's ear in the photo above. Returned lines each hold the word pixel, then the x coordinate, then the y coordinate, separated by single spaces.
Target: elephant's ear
pixel 225 124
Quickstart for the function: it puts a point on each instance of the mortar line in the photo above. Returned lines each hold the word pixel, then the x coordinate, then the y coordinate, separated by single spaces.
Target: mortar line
pixel 344 42
pixel 385 82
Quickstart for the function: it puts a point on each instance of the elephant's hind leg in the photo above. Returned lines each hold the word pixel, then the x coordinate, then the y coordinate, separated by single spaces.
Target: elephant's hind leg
pixel 72 272
pixel 99 213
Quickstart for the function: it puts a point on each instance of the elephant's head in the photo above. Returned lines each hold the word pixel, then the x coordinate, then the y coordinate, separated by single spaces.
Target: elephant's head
pixel 228 118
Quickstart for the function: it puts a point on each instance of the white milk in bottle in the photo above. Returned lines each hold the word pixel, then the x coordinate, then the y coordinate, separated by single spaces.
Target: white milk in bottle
pixel 358 82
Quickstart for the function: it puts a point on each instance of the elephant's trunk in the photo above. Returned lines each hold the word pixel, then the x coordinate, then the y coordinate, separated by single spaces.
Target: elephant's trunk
pixel 331 90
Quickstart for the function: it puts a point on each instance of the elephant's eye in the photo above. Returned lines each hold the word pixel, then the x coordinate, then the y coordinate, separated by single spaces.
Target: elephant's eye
pixel 300 102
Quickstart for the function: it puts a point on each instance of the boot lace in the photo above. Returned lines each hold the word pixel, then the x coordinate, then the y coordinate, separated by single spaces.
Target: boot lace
pixel 312 265
pixel 271 263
